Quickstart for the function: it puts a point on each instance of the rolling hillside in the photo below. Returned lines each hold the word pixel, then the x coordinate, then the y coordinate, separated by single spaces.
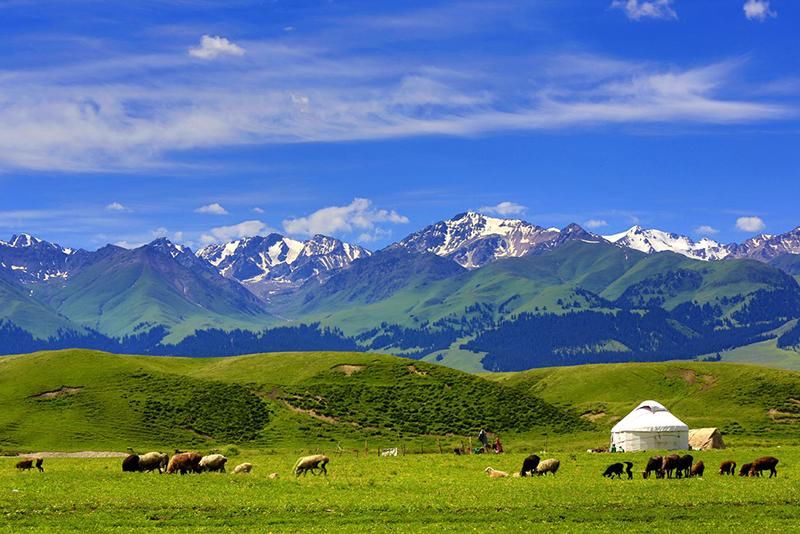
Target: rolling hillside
pixel 77 399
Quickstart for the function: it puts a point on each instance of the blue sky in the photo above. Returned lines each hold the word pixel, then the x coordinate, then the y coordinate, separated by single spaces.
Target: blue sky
pixel 205 120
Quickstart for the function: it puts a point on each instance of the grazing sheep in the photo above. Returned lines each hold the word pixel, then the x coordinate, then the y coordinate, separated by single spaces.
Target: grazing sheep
pixel 617 469
pixel 763 464
pixel 243 468
pixel 25 465
pixel 494 473
pixel 684 467
pixel 745 470
pixel 529 465
pixel 184 462
pixel 130 464
pixel 669 465
pixel 653 466
pixel 213 463
pixel 550 465
pixel 698 468
pixel 727 467
pixel 152 461
pixel 311 463
pixel 39 462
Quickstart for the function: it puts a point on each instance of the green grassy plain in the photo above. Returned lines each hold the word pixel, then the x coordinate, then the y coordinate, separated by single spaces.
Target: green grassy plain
pixel 411 493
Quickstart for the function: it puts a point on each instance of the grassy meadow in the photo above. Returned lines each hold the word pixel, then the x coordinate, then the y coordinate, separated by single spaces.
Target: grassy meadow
pixel 428 492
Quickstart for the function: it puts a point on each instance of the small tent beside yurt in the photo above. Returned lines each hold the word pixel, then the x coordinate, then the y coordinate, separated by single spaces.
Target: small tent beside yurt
pixel 650 426
pixel 701 439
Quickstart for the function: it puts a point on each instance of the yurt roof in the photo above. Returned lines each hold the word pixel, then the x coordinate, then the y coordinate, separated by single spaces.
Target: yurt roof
pixel 650 416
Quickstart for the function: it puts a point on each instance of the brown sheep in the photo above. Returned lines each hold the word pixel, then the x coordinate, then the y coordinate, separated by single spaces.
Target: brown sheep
pixel 25 465
pixel 548 466
pixel 763 464
pixel 311 463
pixel 669 465
pixel 653 466
pixel 698 468
pixel 728 467
pixel 39 462
pixel 684 468
pixel 745 470
pixel 184 462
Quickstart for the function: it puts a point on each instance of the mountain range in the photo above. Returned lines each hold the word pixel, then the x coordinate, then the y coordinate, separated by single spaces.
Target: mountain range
pixel 473 291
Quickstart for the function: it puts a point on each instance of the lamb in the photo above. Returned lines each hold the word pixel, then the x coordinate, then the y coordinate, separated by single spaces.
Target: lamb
pixel 529 465
pixel 727 467
pixel 763 464
pixel 243 468
pixel 745 470
pixel 494 473
pixel 213 463
pixel 152 461
pixel 550 465
pixel 311 463
pixel 697 469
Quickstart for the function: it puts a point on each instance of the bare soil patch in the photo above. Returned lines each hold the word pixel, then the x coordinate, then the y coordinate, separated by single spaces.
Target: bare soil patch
pixel 349 370
pixel 63 391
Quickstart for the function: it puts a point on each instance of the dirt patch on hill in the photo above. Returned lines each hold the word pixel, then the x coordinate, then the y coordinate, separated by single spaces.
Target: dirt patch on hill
pixel 779 416
pixel 63 391
pixel 593 416
pixel 311 413
pixel 349 370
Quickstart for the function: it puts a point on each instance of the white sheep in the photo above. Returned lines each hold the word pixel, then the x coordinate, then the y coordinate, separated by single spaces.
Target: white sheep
pixel 152 461
pixel 494 473
pixel 243 468
pixel 213 462
pixel 550 465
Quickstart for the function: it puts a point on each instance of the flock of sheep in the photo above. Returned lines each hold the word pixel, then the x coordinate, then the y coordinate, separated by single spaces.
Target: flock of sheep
pixel 193 462
pixel 671 466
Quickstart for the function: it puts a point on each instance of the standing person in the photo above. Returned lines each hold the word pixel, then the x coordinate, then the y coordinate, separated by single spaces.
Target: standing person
pixel 484 439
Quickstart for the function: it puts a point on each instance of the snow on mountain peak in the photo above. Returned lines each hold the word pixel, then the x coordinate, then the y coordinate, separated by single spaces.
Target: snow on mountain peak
pixel 651 241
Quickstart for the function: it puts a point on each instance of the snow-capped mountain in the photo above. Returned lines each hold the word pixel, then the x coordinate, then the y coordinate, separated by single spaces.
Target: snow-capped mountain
pixel 267 264
pixel 651 241
pixel 767 247
pixel 472 239
pixel 34 260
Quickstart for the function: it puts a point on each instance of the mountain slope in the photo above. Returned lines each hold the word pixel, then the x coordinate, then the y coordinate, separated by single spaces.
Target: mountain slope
pixel 652 241
pixel 119 292
pixel 34 260
pixel 17 307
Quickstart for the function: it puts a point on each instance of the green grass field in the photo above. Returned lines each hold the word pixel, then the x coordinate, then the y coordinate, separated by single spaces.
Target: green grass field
pixel 268 409
pixel 408 493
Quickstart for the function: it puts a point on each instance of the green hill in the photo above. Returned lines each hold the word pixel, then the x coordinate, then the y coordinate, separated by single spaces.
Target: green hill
pixel 79 399
pixel 743 400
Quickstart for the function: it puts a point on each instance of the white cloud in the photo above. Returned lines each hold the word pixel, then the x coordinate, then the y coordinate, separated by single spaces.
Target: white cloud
pixel 595 223
pixel 258 210
pixel 160 232
pixel 212 47
pixel 358 215
pixel 705 229
pixel 235 231
pixel 504 208
pixel 212 209
pixel 758 10
pixel 750 224
pixel 646 9
pixel 116 206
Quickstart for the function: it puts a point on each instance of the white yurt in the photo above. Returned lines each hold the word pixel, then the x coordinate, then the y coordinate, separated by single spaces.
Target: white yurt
pixel 650 426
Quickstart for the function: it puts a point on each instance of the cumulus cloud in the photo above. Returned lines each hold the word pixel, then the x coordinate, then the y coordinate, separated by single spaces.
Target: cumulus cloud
pixel 595 223
pixel 750 224
pixel 116 206
pixel 235 231
pixel 705 229
pixel 504 208
pixel 212 209
pixel 646 9
pixel 212 47
pixel 758 10
pixel 358 215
